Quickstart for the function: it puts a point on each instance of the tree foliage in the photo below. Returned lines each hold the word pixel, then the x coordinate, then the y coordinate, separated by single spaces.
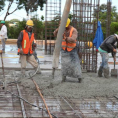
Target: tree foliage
pixel 2 4
pixel 13 32
pixel 103 16
pixel 28 5
pixel 114 28
pixel 14 20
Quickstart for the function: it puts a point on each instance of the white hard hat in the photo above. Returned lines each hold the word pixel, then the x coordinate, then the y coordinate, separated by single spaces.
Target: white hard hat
pixel 116 36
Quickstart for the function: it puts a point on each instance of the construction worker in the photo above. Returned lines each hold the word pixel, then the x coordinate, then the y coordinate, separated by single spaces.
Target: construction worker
pixel 3 35
pixel 26 45
pixel 108 45
pixel 70 62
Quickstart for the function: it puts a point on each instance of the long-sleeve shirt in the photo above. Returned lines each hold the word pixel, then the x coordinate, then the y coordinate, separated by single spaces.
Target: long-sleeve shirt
pixel 66 33
pixel 3 31
pixel 109 44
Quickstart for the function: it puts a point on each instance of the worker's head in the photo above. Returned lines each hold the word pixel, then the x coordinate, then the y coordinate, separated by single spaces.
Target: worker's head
pixel 29 25
pixel 2 22
pixel 67 23
pixel 89 44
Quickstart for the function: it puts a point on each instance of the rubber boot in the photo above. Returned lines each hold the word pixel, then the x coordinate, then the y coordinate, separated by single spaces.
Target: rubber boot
pixel 106 72
pixel 100 71
pixel 80 79
pixel 63 78
pixel 38 70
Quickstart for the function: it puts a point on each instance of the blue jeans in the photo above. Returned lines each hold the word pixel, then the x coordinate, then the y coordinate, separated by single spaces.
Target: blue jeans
pixel 105 58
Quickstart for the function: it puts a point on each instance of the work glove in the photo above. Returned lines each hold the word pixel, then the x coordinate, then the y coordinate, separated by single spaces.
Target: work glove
pixel 34 46
pixel 20 51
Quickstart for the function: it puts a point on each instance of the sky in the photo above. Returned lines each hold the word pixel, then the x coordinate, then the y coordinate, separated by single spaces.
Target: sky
pixel 20 14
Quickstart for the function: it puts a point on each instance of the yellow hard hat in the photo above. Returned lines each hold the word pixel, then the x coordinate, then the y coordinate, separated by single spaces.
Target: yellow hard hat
pixel 29 23
pixel 90 44
pixel 68 22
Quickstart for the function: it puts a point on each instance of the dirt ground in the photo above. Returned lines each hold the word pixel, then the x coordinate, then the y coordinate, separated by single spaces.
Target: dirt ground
pixel 90 87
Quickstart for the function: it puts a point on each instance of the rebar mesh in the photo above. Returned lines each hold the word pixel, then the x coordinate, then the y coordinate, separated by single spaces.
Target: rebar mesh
pixel 85 22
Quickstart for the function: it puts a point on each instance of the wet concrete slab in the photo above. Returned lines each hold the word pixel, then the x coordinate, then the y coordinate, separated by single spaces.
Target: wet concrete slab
pixel 11 59
pixel 74 108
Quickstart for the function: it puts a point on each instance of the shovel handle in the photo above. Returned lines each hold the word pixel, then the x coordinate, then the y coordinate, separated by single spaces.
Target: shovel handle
pixel 114 64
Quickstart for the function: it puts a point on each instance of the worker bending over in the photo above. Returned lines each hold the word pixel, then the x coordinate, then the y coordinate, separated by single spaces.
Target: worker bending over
pixel 70 62
pixel 26 45
pixel 108 45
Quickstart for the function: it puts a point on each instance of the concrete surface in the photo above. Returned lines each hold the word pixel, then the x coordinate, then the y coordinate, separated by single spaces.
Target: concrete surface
pixel 90 87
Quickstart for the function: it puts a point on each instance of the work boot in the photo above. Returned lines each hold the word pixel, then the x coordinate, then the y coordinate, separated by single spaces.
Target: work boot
pixel 100 71
pixel 38 70
pixel 63 78
pixel 80 79
pixel 106 72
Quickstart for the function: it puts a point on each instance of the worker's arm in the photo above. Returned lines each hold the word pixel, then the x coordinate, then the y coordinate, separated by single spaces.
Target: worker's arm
pixel 19 41
pixel 109 43
pixel 55 32
pixel 34 45
pixel 73 38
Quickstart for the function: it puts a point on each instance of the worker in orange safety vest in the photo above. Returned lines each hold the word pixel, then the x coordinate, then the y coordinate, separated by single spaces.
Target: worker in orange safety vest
pixel 26 44
pixel 70 62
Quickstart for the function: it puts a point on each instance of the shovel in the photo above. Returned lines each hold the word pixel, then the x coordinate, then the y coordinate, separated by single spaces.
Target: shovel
pixel 114 72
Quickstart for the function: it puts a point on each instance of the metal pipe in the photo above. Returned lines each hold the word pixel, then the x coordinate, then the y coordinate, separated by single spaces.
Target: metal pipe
pixel 60 34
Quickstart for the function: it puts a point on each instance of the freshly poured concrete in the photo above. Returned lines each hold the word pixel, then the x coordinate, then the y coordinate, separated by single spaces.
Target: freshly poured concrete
pixel 90 87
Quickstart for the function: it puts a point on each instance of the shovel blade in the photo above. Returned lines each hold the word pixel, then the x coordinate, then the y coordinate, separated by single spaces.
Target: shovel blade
pixel 114 72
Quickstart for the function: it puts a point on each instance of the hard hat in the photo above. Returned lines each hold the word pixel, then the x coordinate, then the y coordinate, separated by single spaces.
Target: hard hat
pixel 2 22
pixel 68 22
pixel 116 36
pixel 29 23
pixel 90 44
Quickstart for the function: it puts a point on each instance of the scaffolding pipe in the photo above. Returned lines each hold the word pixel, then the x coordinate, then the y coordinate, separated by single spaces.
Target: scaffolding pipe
pixel 60 34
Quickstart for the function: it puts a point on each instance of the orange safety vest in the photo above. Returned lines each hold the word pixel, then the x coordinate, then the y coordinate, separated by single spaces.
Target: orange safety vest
pixel 68 46
pixel 27 43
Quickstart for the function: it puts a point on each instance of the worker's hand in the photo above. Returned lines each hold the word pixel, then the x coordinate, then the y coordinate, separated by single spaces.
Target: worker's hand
pixel 64 37
pixel 114 50
pixel 20 51
pixel 34 46
pixel 114 58
pixel 69 40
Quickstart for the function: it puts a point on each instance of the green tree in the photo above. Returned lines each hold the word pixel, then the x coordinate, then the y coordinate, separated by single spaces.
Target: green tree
pixel 14 20
pixel 2 4
pixel 31 5
pixel 38 29
pixel 103 16
pixel 114 28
